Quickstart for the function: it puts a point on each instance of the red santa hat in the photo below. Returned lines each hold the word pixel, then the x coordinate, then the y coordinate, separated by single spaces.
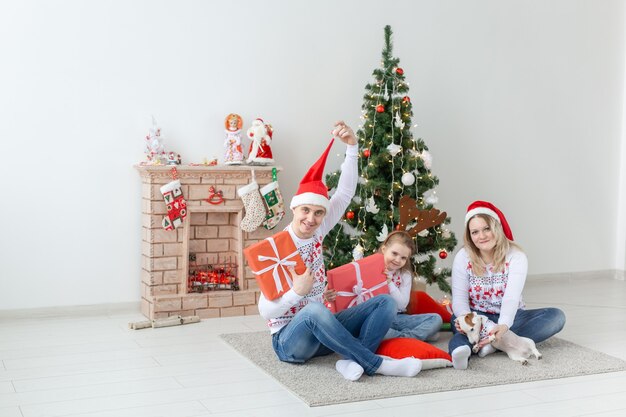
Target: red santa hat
pixel 312 190
pixel 484 207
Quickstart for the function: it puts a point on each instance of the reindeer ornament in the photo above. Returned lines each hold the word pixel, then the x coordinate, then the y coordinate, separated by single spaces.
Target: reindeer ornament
pixel 425 218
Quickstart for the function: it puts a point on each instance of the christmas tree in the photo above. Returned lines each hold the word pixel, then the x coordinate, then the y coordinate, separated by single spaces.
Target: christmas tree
pixel 392 164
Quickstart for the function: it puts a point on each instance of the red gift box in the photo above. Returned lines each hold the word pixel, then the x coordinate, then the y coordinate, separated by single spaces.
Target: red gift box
pixel 269 260
pixel 357 282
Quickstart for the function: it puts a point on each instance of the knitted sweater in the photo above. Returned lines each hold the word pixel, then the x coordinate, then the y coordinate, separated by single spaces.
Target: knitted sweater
pixel 497 292
pixel 400 289
pixel 280 312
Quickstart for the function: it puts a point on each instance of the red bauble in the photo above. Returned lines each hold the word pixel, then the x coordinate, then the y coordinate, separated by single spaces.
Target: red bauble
pixel 350 215
pixel 380 108
pixel 406 99
pixel 366 153
pixel 443 254
pixel 397 227
pixel 399 71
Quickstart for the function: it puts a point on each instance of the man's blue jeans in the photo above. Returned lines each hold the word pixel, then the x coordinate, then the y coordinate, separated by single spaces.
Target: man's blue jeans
pixel 538 325
pixel 354 333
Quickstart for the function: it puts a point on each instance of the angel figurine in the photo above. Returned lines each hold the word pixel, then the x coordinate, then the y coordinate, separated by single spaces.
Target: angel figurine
pixel 233 154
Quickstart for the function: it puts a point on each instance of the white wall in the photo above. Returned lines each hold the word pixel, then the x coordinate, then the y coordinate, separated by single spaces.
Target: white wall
pixel 520 103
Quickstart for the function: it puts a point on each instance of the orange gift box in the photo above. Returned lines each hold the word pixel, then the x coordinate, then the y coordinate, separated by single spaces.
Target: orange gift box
pixel 269 260
pixel 357 282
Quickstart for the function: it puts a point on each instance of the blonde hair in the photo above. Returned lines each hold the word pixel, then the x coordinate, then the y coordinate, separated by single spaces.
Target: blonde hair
pixel 235 117
pixel 403 238
pixel 500 250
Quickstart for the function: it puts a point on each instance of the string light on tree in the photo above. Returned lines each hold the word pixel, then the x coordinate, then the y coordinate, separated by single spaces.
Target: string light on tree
pixel 393 164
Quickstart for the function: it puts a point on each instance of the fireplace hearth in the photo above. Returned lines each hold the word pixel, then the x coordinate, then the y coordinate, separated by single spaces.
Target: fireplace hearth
pixel 209 236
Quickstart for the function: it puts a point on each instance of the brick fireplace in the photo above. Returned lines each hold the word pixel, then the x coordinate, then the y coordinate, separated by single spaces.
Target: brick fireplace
pixel 210 232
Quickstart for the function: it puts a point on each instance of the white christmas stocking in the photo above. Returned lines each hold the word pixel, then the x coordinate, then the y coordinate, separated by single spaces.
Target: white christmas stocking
pixel 175 204
pixel 253 203
pixel 275 205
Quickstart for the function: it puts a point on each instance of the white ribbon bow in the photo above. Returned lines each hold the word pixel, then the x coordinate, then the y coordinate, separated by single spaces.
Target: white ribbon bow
pixel 278 262
pixel 359 293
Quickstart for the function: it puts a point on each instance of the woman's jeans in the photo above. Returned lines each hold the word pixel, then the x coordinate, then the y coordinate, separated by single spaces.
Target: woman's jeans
pixel 538 325
pixel 354 333
pixel 416 326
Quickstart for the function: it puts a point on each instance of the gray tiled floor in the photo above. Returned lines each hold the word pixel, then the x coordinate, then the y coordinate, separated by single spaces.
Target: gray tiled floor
pixel 91 364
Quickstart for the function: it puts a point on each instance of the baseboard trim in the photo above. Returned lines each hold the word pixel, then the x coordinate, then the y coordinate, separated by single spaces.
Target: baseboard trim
pixel 72 311
pixel 135 307
pixel 566 276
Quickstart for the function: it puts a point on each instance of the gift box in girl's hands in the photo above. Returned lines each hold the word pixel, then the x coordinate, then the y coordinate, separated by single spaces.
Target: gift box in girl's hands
pixel 357 282
pixel 270 260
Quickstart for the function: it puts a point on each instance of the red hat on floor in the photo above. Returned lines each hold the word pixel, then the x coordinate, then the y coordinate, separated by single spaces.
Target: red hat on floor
pixel 484 207
pixel 312 190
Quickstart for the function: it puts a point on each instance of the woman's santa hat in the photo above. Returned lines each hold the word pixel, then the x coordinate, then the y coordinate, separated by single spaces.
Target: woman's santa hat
pixel 484 207
pixel 312 190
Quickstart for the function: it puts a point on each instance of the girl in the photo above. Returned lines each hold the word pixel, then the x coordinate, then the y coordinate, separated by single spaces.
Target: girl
pixel 488 277
pixel 397 250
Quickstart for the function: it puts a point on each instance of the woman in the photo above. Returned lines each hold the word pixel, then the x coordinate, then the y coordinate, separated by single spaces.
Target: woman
pixel 488 277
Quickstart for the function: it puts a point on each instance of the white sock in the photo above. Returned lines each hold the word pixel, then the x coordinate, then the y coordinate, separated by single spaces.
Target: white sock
pixel 460 357
pixel 400 367
pixel 486 350
pixel 350 370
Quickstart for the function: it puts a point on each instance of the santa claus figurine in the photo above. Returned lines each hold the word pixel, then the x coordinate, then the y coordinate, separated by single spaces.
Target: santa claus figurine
pixel 260 133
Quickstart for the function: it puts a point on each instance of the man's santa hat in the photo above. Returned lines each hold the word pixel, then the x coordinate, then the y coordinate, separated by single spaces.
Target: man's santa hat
pixel 484 207
pixel 312 190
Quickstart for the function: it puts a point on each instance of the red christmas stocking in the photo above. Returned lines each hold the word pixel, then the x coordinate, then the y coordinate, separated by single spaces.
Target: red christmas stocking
pixel 175 203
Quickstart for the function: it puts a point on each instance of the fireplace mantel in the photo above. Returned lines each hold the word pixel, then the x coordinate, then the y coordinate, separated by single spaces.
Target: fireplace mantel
pixel 209 229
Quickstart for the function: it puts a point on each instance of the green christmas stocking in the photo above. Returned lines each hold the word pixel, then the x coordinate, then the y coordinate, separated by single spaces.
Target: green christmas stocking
pixel 274 202
pixel 275 205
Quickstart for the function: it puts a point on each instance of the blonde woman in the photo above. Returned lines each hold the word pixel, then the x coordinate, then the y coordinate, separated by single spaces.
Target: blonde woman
pixel 488 278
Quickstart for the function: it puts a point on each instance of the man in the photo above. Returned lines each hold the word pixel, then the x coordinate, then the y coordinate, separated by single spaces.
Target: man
pixel 301 325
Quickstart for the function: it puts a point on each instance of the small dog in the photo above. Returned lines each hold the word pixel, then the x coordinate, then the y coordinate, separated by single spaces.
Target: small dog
pixel 518 348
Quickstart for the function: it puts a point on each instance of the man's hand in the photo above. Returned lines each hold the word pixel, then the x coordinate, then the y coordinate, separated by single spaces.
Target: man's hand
pixel 302 284
pixel 344 132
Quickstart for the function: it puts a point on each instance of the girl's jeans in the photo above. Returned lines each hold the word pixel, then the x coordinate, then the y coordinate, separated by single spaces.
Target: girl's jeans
pixel 538 325
pixel 354 333
pixel 416 326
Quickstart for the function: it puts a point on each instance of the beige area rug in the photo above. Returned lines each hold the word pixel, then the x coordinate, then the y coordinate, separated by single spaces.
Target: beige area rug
pixel 560 359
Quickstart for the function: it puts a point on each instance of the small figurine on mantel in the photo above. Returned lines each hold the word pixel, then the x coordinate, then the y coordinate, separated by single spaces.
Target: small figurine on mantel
pixel 155 151
pixel 260 133
pixel 173 158
pixel 233 154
